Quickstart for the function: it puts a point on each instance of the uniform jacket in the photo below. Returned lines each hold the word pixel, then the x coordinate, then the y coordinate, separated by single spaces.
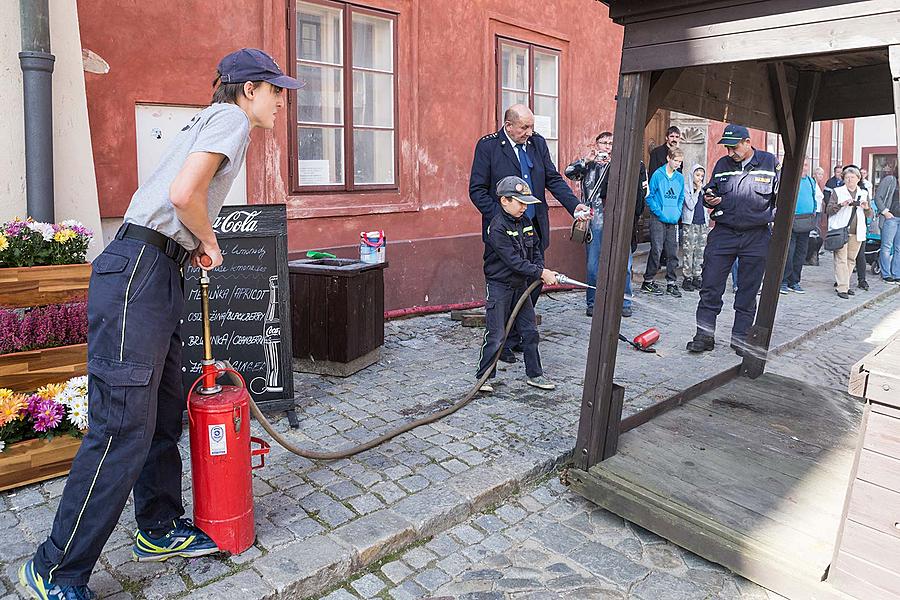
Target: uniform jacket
pixel 513 252
pixel 496 159
pixel 748 194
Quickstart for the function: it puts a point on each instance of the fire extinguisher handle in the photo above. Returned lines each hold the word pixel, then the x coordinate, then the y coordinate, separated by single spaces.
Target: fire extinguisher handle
pixel 260 452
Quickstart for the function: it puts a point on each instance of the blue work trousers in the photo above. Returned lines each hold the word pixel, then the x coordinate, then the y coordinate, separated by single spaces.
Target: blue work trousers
pixel 723 246
pixel 501 298
pixel 136 400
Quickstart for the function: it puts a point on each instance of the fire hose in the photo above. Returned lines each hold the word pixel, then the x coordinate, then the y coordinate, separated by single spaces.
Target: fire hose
pixel 212 369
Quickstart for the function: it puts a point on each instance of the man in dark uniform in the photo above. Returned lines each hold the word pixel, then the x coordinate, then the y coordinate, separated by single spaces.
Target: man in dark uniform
pixel 517 150
pixel 741 193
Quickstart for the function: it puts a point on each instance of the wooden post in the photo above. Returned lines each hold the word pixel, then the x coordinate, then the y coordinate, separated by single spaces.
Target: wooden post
pixel 600 413
pixel 760 335
pixel 894 60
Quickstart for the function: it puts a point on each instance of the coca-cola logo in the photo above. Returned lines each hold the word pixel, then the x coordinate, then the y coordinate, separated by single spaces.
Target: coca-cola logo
pixel 239 221
pixel 272 331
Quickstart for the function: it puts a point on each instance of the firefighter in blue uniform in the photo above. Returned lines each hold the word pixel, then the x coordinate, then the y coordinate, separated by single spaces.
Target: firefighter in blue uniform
pixel 741 193
pixel 517 150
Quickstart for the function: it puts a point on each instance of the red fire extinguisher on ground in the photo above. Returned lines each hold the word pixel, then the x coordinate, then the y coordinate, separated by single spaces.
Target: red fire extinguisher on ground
pixel 221 454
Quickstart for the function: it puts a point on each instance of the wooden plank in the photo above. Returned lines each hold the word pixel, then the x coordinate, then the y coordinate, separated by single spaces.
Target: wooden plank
pixel 847 34
pixel 597 402
pixel 707 385
pixel 663 82
pixel 27 371
pixel 782 99
pixel 839 97
pixel 763 16
pixel 883 435
pixel 22 287
pixel 879 469
pixel 871 545
pixel 612 426
pixel 36 460
pixel 875 507
pixel 865 580
pixel 760 335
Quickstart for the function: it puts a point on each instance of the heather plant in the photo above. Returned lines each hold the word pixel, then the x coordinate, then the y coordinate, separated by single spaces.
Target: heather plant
pixel 43 327
pixel 31 243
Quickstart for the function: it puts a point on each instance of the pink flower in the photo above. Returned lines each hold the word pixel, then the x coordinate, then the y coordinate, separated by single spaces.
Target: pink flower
pixel 32 403
pixel 48 415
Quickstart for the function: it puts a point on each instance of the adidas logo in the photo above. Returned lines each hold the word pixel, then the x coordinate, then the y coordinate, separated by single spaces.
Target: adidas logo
pixel 670 193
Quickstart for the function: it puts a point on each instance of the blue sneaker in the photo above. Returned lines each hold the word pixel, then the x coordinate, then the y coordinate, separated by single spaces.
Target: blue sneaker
pixel 34 584
pixel 783 289
pixel 185 540
pixel 797 289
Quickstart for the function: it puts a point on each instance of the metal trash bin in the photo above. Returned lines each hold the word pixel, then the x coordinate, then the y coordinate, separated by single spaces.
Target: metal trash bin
pixel 337 314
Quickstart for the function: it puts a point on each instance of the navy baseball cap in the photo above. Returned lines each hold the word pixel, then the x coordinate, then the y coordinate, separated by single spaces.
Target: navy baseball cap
pixel 733 134
pixel 250 64
pixel 515 187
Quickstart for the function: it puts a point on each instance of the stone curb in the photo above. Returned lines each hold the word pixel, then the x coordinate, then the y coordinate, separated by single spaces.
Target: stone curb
pixel 307 568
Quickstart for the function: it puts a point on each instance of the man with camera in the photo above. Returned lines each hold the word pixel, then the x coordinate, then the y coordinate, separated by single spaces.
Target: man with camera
pixel 741 193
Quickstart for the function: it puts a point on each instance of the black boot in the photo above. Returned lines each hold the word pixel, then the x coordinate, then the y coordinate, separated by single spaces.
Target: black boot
pixel 687 284
pixel 701 343
pixel 698 283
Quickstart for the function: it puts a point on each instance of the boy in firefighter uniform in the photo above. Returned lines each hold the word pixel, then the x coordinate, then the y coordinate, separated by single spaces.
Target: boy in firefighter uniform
pixel 742 193
pixel 513 258
pixel 135 303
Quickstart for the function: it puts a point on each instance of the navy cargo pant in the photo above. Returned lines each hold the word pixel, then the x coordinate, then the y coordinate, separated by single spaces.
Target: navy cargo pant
pixel 723 246
pixel 501 298
pixel 136 401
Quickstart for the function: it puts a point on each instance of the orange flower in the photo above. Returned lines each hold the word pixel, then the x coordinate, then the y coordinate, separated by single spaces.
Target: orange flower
pixel 51 390
pixel 11 406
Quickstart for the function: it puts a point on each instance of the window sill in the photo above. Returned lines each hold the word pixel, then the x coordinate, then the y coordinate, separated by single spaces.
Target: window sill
pixel 348 204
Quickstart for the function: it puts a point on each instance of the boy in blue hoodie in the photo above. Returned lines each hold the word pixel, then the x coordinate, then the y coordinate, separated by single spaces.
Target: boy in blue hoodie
pixel 665 201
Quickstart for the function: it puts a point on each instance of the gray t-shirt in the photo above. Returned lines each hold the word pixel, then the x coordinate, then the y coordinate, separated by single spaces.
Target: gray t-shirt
pixel 220 129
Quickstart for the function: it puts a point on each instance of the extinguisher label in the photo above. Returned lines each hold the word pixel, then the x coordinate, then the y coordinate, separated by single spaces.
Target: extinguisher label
pixel 217 444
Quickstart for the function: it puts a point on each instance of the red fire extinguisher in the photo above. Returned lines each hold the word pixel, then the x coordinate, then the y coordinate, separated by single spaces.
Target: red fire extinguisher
pixel 221 454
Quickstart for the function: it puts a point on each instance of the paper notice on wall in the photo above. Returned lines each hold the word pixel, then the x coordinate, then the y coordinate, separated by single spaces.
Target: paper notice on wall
pixel 543 125
pixel 314 172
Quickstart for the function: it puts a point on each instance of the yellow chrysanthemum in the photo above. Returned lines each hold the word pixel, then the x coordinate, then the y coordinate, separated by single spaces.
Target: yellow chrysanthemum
pixel 11 408
pixel 4 244
pixel 51 390
pixel 6 393
pixel 64 235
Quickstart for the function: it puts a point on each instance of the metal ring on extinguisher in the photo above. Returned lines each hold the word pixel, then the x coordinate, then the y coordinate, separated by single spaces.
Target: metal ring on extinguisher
pixel 260 452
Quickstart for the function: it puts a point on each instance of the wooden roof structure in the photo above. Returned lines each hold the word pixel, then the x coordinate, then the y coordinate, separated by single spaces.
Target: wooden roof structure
pixel 775 65
pixel 770 64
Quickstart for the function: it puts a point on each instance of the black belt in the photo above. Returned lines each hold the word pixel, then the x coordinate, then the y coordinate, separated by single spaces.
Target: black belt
pixel 167 245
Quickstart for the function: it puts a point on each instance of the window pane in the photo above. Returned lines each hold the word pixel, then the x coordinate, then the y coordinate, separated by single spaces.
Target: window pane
pixel 373 42
pixel 322 100
pixel 545 73
pixel 514 60
pixel 321 155
pixel 373 99
pixel 545 116
pixel 509 98
pixel 319 36
pixel 373 156
pixel 553 147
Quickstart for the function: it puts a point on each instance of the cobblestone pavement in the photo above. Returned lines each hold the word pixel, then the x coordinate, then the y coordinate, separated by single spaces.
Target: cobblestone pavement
pixel 549 543
pixel 318 523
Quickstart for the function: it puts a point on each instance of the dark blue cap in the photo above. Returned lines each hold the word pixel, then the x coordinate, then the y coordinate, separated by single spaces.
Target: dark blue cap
pixel 250 64
pixel 734 134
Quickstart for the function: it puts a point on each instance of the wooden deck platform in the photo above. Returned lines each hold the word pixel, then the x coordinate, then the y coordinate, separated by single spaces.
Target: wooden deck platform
pixel 751 475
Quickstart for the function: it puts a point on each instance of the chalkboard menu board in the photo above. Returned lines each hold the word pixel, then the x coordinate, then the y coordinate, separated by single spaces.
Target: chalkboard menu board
pixel 249 305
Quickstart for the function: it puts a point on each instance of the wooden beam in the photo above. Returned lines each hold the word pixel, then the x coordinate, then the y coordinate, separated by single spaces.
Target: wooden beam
pixel 853 32
pixel 781 98
pixel 662 82
pixel 599 413
pixel 760 334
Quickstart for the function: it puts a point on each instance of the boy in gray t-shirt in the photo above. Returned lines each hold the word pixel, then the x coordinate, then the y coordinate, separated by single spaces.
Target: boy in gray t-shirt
pixel 135 302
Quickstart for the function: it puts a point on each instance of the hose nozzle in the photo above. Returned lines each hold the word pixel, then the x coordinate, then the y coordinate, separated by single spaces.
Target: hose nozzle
pixel 566 280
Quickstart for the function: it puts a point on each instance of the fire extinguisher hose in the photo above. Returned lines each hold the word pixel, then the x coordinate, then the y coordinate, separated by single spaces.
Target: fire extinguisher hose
pixel 334 455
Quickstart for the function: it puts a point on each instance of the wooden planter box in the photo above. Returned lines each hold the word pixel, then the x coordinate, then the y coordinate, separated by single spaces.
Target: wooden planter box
pixel 27 371
pixel 20 287
pixel 37 286
pixel 36 460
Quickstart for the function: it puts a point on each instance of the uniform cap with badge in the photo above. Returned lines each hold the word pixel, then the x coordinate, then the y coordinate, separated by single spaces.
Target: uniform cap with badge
pixel 516 187
pixel 733 135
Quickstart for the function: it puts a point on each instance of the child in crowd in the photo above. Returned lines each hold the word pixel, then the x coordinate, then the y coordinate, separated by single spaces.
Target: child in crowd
pixel 694 229
pixel 665 200
pixel 513 258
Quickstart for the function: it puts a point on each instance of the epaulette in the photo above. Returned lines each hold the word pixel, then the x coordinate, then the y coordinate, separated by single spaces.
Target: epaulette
pixel 489 136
